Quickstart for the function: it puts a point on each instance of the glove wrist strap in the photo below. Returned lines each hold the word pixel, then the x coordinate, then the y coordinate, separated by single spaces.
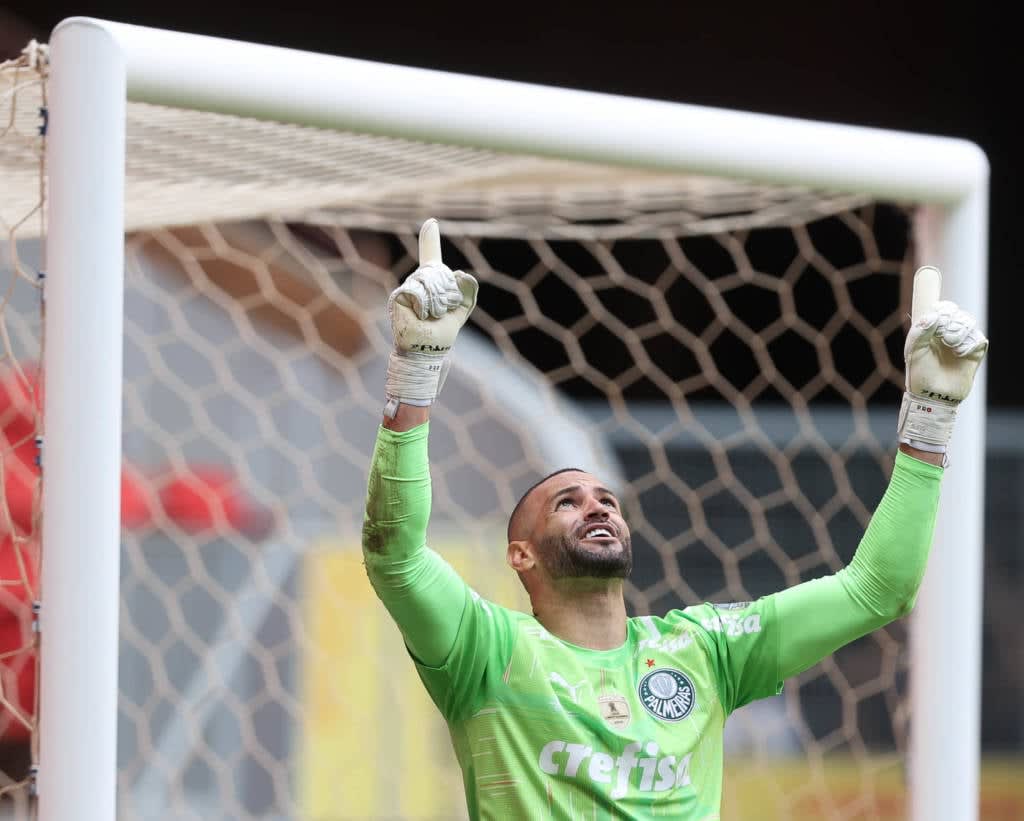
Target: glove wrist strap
pixel 412 379
pixel 926 424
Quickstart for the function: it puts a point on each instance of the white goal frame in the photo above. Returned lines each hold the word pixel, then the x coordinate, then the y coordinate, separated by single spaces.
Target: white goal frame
pixel 97 66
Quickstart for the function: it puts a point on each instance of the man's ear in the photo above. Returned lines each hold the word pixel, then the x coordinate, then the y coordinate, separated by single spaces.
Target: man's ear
pixel 520 555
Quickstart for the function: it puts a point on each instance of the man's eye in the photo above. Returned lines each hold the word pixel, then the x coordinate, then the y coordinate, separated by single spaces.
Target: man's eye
pixel 563 502
pixel 608 501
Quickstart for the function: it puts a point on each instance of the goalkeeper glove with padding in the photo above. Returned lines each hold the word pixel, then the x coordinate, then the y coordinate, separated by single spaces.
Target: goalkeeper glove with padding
pixel 426 312
pixel 943 350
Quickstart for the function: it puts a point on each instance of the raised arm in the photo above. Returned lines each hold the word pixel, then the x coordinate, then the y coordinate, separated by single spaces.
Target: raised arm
pixel 420 590
pixel 943 351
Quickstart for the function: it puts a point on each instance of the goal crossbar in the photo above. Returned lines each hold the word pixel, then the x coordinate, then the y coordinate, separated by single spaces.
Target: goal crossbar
pixel 97 66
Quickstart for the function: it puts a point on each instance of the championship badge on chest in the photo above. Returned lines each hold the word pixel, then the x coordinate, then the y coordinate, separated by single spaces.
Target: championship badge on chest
pixel 614 710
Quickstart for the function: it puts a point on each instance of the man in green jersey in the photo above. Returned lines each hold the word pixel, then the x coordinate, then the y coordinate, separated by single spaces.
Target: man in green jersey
pixel 576 711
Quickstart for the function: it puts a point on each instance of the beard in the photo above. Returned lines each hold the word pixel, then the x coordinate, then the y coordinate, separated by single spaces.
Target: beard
pixel 566 556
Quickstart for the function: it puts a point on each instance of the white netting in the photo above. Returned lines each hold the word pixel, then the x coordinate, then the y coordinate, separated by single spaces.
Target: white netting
pixel 716 349
pixel 22 98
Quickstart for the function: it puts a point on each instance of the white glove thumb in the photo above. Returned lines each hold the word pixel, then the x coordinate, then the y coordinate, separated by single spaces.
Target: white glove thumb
pixel 943 351
pixel 426 312
pixel 432 289
pixel 944 346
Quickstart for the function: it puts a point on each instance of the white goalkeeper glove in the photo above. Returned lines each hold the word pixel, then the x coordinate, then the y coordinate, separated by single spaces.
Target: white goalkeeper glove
pixel 426 312
pixel 943 351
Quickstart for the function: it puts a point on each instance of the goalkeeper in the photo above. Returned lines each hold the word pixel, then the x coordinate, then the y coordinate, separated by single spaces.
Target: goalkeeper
pixel 577 711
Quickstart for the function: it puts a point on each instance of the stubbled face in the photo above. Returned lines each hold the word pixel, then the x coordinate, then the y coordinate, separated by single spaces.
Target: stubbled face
pixel 578 530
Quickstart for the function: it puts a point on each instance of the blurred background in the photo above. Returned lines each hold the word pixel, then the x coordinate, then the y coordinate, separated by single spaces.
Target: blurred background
pixel 241 489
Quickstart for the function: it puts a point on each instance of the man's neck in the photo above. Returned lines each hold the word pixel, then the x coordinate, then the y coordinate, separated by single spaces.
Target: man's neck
pixel 589 613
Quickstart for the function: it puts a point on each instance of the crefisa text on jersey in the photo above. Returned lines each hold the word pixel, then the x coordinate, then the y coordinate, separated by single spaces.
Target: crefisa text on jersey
pixel 658 773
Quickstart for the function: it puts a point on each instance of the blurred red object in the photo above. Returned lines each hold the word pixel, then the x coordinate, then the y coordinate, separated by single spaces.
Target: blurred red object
pixel 20 403
pixel 137 500
pixel 204 498
pixel 19 486
pixel 18 573
pixel 20 482
pixel 20 400
pixel 210 498
pixel 20 397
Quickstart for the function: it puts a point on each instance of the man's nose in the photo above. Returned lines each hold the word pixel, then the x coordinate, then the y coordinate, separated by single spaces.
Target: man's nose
pixel 595 510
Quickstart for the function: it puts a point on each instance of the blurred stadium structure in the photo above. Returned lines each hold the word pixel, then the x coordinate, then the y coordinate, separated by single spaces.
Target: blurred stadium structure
pixel 728 355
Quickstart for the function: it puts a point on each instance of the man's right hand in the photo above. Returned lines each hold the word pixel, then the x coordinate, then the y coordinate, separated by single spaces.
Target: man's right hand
pixel 426 312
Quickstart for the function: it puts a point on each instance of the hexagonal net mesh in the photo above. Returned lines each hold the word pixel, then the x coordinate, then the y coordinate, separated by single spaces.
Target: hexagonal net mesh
pixel 728 355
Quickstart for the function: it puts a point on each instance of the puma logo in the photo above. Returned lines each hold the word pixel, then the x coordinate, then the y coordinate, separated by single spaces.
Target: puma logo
pixel 571 689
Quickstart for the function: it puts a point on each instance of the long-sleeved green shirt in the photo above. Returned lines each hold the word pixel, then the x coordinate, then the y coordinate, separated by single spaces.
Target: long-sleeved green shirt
pixel 546 729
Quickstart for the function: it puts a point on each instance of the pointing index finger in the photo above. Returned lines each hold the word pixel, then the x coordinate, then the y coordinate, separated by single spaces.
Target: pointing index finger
pixel 430 243
pixel 927 288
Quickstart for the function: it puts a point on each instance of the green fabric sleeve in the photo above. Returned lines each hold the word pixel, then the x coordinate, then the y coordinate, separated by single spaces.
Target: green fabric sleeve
pixel 880 583
pixel 420 590
pixel 743 642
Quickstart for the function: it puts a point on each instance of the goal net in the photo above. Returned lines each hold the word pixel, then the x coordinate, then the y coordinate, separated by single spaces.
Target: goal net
pixel 728 353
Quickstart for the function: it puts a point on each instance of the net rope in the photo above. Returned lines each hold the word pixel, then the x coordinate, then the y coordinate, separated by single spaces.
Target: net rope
pixel 22 137
pixel 729 353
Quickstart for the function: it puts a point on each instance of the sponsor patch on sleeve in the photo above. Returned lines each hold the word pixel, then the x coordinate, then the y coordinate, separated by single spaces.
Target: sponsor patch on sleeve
pixel 733 625
pixel 734 605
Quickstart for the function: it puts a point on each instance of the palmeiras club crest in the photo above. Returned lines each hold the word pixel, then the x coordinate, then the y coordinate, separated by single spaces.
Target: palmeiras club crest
pixel 667 694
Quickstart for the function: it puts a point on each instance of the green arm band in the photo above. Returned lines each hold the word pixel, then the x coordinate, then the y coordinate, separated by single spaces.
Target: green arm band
pixel 880 583
pixel 423 594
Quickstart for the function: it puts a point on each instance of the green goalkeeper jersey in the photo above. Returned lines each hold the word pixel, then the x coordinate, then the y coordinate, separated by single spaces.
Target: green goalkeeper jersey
pixel 546 729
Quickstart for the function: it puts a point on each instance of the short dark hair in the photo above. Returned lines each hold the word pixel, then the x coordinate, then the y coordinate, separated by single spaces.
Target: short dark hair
pixel 530 490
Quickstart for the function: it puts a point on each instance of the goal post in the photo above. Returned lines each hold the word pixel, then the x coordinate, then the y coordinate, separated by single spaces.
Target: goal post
pixel 84 335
